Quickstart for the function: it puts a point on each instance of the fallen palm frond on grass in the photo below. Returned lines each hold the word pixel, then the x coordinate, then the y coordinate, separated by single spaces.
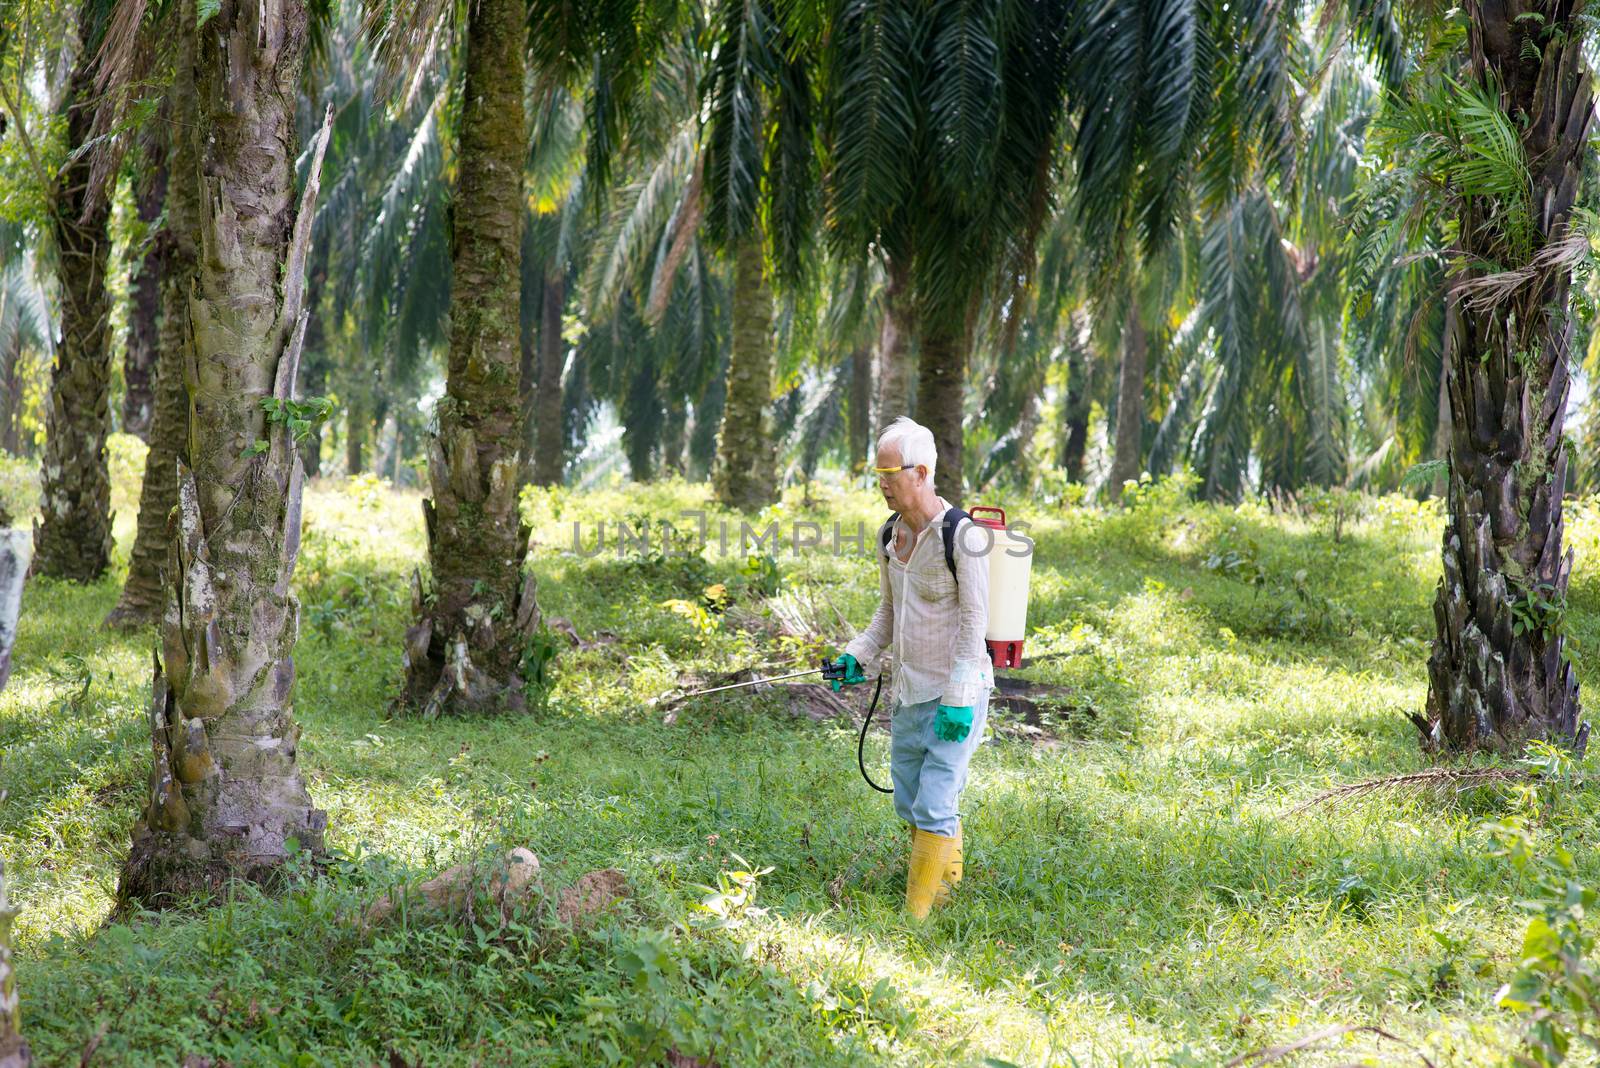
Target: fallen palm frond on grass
pixel 1432 780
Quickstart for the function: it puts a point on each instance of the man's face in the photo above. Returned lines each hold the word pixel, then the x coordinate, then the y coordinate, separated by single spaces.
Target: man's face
pixel 899 488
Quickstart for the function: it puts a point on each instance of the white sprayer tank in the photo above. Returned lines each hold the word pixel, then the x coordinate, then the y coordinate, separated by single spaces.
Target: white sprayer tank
pixel 1010 567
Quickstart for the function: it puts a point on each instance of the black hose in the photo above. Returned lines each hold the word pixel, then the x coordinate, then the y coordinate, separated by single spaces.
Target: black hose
pixel 861 743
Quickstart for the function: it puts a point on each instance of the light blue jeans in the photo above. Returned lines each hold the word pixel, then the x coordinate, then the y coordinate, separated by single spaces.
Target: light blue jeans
pixel 928 773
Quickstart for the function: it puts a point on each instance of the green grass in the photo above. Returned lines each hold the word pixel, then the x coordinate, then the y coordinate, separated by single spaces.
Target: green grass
pixel 1136 887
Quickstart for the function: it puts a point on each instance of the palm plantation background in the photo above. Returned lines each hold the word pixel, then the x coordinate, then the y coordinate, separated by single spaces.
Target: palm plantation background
pixel 326 326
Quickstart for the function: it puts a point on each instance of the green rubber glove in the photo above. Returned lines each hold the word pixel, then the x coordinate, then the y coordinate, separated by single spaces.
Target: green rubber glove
pixel 951 723
pixel 852 672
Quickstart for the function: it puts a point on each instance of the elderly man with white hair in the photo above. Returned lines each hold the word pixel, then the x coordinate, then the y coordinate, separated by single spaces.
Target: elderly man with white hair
pixel 932 616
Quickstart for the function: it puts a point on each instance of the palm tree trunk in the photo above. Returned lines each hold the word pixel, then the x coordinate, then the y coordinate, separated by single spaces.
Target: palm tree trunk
pixel 226 797
pixel 142 355
pixel 860 409
pixel 672 437
pixel 464 650
pixel 707 419
pixel 1497 675
pixel 941 393
pixel 144 592
pixel 73 538
pixel 13 1047
pixel 744 477
pixel 1075 412
pixel 894 346
pixel 549 455
pixel 1127 451
pixel 11 400
pixel 641 422
pixel 355 432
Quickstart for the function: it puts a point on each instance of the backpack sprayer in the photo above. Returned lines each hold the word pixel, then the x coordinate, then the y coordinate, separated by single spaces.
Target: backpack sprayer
pixel 1010 567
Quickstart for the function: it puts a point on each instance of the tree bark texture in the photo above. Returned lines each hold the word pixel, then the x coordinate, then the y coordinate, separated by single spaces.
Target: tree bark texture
pixel 174 248
pixel 745 477
pixel 549 455
pixel 672 436
pixel 894 348
pixel 1497 675
pixel 73 536
pixel 140 361
pixel 859 415
pixel 226 796
pixel 11 403
pixel 941 393
pixel 1127 450
pixel 464 652
pixel 355 432
pixel 1075 412
pixel 13 1047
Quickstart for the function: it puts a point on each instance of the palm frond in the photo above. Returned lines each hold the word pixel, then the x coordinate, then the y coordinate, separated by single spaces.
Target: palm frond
pixel 634 227
pixel 874 95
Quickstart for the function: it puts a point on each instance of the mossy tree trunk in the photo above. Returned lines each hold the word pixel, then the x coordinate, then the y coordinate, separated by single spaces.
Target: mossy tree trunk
pixel 141 358
pixel 549 454
pixel 745 477
pixel 894 346
pixel 13 1047
pixel 226 796
pixel 1075 412
pixel 144 592
pixel 464 651
pixel 1126 452
pixel 941 393
pixel 1497 675
pixel 73 536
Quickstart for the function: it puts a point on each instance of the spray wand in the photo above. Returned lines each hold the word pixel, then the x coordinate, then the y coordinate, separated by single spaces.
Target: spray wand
pixel 830 671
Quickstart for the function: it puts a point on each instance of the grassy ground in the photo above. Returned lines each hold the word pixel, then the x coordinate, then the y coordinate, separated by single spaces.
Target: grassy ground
pixel 1137 889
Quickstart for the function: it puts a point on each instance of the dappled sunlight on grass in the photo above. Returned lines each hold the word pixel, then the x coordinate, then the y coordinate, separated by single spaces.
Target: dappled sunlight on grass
pixel 1137 887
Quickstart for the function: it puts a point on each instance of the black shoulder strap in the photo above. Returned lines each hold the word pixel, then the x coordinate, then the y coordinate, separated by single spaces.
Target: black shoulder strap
pixel 952 519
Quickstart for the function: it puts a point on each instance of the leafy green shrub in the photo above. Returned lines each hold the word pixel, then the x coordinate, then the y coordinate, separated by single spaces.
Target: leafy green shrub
pixel 538 666
pixel 1557 981
pixel 761 575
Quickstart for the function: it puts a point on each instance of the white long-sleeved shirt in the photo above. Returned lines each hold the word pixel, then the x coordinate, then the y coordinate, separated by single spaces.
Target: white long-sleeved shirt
pixel 932 623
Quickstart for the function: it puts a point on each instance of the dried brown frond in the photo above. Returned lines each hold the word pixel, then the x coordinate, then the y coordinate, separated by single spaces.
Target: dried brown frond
pixel 407 37
pixel 1432 780
pixel 124 64
pixel 1484 294
pixel 684 226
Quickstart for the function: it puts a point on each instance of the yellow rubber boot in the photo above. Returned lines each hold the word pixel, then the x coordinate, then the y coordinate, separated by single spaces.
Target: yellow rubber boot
pixel 952 872
pixel 930 856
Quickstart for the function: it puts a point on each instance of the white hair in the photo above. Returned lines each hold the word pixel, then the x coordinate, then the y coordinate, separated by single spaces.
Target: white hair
pixel 914 441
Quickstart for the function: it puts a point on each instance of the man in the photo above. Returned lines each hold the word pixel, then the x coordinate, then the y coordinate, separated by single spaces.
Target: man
pixel 933 621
